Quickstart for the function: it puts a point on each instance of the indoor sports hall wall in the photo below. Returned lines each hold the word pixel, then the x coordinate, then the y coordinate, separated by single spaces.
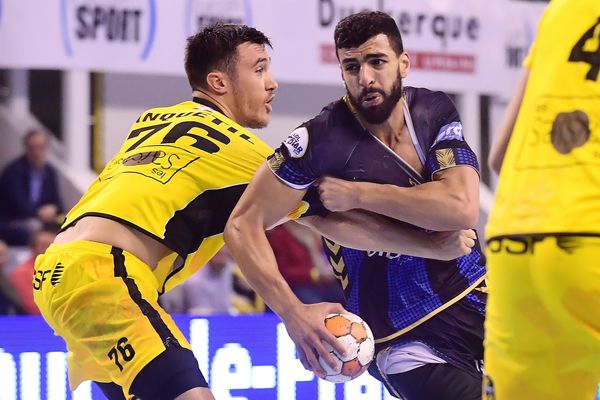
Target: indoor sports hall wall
pixel 466 47
pixel 455 45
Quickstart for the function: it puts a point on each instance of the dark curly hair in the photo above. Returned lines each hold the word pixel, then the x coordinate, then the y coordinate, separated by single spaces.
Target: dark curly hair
pixel 215 48
pixel 355 29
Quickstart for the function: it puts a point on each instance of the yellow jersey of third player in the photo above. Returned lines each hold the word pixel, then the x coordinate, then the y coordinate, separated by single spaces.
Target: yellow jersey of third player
pixel 176 178
pixel 550 179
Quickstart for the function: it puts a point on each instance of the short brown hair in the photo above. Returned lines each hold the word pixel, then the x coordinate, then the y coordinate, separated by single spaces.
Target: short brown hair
pixel 215 47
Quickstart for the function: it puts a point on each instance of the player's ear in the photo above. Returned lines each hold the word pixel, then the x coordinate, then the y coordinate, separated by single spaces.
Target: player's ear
pixel 404 64
pixel 217 81
pixel 339 64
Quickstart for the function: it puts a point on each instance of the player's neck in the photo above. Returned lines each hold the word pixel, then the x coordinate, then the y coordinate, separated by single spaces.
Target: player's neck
pixel 391 127
pixel 217 101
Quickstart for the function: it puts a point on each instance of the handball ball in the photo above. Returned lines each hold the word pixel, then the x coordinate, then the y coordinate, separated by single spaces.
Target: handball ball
pixel 356 336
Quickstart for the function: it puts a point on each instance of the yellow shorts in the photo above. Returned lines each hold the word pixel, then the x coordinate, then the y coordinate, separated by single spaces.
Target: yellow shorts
pixel 104 303
pixel 543 318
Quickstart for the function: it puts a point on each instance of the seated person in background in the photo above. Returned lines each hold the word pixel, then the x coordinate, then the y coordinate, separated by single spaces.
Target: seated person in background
pixel 22 276
pixel 9 303
pixel 208 291
pixel 301 262
pixel 29 187
pixel 217 288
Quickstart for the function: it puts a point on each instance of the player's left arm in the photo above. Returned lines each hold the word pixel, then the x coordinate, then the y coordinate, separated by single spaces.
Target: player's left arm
pixel 367 231
pixel 449 202
pixel 504 132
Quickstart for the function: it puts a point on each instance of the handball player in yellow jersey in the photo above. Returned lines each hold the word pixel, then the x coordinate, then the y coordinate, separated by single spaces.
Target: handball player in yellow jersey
pixel 543 319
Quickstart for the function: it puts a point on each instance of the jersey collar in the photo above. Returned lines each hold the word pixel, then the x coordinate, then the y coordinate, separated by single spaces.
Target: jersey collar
pixel 207 103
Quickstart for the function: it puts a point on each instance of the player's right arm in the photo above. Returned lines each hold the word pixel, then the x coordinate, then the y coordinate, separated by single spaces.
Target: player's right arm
pixel 265 202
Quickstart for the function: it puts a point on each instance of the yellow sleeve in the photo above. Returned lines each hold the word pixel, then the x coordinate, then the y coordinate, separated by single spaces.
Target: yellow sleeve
pixel 528 61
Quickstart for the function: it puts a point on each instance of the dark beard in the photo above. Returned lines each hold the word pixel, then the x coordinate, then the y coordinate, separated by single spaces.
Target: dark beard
pixel 380 113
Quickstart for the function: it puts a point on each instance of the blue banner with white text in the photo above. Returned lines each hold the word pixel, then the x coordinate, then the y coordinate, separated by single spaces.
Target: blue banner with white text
pixel 243 357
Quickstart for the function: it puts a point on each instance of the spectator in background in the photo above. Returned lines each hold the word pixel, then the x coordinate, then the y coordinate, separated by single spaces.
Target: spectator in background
pixel 29 187
pixel 208 291
pixel 302 264
pixel 9 303
pixel 22 276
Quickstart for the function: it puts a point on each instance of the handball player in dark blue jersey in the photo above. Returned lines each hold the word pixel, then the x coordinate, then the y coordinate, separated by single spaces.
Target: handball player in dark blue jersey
pixel 398 152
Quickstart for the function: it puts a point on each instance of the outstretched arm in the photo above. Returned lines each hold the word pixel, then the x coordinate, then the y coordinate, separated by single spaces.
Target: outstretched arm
pixel 265 202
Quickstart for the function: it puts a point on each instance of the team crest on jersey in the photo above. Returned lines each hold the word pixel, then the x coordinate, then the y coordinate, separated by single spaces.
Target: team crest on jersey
pixel 275 161
pixel 445 158
pixel 297 142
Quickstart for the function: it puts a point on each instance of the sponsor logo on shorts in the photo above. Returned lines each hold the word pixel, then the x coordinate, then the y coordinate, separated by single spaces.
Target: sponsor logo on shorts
pixel 57 274
pixel 39 278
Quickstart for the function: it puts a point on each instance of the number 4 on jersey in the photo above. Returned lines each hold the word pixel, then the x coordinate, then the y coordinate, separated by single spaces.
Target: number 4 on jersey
pixel 579 53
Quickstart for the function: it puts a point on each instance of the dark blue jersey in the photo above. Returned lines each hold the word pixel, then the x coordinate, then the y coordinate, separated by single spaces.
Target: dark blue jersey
pixel 393 293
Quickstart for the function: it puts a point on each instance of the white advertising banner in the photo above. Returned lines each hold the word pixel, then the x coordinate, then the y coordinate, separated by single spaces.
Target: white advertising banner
pixel 454 45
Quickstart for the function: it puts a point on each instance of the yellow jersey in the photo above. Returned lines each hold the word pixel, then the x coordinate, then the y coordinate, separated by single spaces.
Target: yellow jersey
pixel 177 177
pixel 550 179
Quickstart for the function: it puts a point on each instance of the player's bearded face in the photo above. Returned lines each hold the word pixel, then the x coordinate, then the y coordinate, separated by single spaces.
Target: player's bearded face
pixel 379 113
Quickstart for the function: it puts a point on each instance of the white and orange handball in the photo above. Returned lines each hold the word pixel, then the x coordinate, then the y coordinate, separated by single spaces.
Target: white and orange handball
pixel 357 338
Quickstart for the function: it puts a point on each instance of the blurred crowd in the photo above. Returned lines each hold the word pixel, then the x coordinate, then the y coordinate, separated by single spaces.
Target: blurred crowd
pixel 220 287
pixel 31 212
